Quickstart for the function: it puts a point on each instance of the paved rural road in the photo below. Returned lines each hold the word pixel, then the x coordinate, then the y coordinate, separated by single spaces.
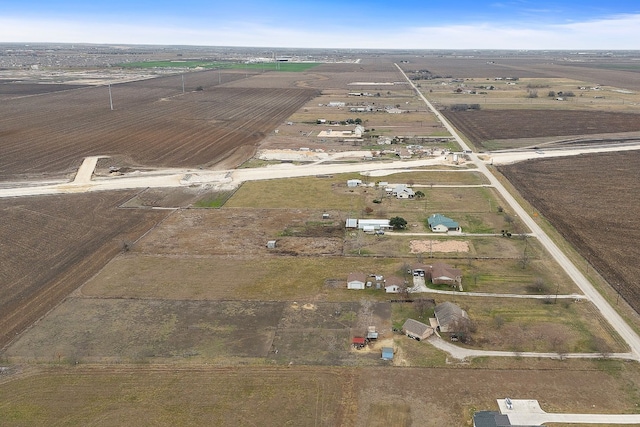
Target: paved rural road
pixel 626 332
pixel 462 353
pixel 529 412
pixel 518 156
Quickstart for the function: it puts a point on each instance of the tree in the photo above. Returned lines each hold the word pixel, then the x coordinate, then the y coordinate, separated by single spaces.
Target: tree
pixel 398 223
pixel 419 194
pixel 538 287
pixel 508 219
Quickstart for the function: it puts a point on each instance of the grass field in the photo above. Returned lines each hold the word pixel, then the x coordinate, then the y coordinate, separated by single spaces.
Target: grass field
pixel 161 396
pixel 221 278
pixel 313 396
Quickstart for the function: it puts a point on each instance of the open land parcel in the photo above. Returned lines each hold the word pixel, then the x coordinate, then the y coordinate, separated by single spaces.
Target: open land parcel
pixel 199 300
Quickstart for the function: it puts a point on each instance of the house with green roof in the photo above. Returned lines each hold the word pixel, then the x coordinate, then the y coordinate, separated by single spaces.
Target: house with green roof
pixel 439 223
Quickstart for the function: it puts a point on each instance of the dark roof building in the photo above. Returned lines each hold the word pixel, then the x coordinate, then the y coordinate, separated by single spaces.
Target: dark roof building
pixel 448 315
pixel 490 419
pixel 417 330
pixel 443 274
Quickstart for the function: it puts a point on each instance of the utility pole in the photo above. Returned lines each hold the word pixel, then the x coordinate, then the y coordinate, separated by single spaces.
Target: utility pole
pixel 110 97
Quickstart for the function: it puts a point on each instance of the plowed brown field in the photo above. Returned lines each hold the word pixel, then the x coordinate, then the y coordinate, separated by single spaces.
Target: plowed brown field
pixel 592 201
pixel 51 245
pixel 153 123
pixel 486 125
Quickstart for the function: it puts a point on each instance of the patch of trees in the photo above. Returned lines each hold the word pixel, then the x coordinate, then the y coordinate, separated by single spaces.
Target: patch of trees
pixel 567 94
pixel 464 107
pixel 398 223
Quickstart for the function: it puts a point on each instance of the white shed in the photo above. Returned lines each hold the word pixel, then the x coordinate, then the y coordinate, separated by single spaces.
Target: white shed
pixel 356 280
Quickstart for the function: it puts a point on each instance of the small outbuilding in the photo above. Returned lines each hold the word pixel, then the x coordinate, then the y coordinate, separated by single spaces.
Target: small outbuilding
pixel 416 330
pixel 351 223
pixel 271 244
pixel 358 342
pixel 352 183
pixel 356 280
pixel 394 285
pixel 387 353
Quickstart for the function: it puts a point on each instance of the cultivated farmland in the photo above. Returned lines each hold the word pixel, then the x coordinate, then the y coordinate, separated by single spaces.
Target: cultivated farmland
pixel 153 124
pixel 487 125
pixel 591 200
pixel 51 245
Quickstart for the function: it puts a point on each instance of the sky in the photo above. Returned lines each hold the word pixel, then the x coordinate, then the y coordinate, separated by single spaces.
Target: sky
pixel 351 24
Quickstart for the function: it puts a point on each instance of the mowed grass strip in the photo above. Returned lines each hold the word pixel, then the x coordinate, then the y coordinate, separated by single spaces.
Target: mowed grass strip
pixel 307 192
pixel 211 278
pixel 333 193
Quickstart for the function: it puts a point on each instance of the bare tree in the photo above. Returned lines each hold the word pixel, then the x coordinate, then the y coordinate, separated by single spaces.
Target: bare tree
pixel 602 347
pixel 525 259
pixel 423 307
pixel 538 287
pixel 559 345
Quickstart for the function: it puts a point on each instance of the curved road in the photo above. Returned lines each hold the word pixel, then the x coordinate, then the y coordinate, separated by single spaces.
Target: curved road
pixel 626 332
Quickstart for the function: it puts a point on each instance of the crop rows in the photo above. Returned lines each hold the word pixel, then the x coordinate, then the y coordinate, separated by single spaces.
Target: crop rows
pixel 51 245
pixel 153 123
pixel 486 125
